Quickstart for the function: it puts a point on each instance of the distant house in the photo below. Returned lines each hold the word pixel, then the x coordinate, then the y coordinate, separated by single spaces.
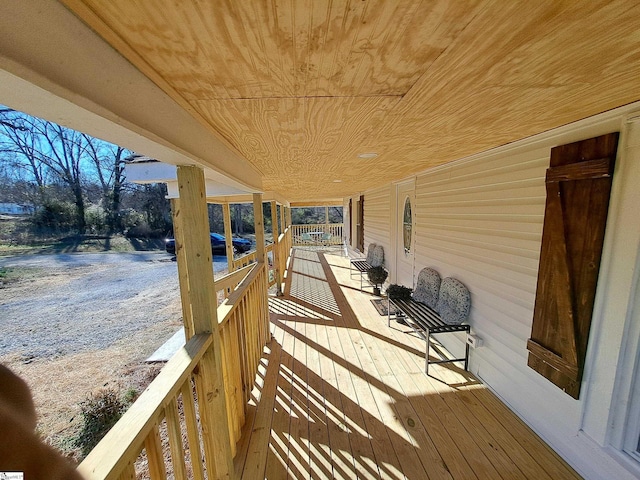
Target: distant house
pixel 15 209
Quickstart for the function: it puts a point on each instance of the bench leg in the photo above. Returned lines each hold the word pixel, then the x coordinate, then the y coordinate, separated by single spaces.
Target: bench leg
pixel 426 358
pixel 466 357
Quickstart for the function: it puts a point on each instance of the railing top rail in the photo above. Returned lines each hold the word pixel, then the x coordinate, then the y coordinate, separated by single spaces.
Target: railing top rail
pixel 298 225
pixel 232 279
pixel 110 456
pixel 226 308
pixel 247 254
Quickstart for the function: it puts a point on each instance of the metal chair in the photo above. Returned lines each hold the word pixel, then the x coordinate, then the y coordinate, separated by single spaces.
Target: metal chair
pixel 307 239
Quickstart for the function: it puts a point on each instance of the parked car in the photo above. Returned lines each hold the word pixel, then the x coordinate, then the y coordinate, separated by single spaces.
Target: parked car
pixel 218 244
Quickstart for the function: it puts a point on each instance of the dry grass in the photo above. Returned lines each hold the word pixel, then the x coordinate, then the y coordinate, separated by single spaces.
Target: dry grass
pixel 59 385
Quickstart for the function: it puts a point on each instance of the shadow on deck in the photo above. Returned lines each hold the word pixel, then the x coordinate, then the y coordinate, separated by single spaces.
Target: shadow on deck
pixel 341 395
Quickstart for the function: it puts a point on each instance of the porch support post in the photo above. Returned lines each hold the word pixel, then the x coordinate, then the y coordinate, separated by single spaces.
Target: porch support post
pixel 283 221
pixel 178 234
pixel 228 235
pixel 258 221
pixel 326 214
pixel 192 217
pixel 276 253
pixel 289 216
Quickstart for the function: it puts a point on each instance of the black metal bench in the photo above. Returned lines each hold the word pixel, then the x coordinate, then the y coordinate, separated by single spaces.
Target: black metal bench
pixel 436 306
pixel 426 322
pixel 375 257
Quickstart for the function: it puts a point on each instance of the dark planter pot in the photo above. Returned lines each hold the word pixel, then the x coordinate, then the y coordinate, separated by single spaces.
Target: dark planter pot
pixel 376 291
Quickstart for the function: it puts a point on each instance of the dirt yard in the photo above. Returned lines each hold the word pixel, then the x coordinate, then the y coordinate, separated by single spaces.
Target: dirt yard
pixel 72 324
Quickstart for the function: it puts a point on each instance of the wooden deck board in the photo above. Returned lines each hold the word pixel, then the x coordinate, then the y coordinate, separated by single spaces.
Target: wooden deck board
pixel 342 395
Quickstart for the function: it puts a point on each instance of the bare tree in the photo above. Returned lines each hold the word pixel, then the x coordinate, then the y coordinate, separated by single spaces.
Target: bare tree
pixel 51 152
pixel 109 160
pixel 22 144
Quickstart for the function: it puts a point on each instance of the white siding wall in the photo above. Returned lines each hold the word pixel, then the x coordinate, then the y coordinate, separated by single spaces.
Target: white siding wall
pixel 377 219
pixel 480 220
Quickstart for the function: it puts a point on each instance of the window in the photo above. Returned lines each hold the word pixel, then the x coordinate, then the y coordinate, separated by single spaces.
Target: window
pixel 406 226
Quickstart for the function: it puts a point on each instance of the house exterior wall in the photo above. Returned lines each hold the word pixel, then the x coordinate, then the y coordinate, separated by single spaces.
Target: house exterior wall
pixel 377 219
pixel 15 209
pixel 480 220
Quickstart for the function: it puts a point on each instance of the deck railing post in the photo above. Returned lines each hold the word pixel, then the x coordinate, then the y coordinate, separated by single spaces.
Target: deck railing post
pixel 258 216
pixel 178 234
pixel 228 235
pixel 283 221
pixel 326 219
pixel 276 250
pixel 192 217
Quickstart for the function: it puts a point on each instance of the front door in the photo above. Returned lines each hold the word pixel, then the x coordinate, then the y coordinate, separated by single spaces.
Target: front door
pixel 405 233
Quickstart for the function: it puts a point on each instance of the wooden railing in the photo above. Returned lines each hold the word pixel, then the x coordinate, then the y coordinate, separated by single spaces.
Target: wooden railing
pixel 282 255
pixel 244 260
pixel 228 283
pixel 276 268
pixel 315 233
pixel 169 405
pixel 249 258
pixel 244 331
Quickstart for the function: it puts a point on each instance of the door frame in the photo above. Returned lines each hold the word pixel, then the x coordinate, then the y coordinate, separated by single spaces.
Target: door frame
pixel 396 224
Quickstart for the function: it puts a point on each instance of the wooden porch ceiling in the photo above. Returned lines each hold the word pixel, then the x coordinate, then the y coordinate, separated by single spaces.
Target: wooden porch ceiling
pixel 341 395
pixel 301 88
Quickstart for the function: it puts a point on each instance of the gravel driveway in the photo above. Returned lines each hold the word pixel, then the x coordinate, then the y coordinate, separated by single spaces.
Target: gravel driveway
pixel 78 323
pixel 85 301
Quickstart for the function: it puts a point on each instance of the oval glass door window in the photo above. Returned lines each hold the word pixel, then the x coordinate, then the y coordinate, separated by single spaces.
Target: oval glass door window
pixel 406 225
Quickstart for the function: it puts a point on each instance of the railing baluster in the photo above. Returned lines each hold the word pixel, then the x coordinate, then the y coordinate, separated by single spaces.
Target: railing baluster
pixel 153 447
pixel 193 436
pixel 129 472
pixel 175 440
pixel 251 333
pixel 237 375
pixel 242 347
pixel 232 415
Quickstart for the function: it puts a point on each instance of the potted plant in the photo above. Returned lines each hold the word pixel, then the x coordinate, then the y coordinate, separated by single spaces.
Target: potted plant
pixel 399 292
pixel 377 276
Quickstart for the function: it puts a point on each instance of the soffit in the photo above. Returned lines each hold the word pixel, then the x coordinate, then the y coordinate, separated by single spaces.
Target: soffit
pixel 300 88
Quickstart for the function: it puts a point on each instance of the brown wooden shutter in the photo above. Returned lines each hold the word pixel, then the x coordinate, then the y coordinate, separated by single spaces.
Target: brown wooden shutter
pixel 578 188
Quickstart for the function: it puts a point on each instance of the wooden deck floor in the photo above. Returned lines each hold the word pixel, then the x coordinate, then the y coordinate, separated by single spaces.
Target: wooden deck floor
pixel 341 395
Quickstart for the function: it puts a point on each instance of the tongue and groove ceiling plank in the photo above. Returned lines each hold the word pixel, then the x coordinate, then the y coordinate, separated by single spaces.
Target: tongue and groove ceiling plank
pixel 301 87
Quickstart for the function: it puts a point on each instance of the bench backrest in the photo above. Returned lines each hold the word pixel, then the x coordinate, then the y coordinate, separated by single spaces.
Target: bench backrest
pixel 377 258
pixel 370 250
pixel 427 287
pixel 454 302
